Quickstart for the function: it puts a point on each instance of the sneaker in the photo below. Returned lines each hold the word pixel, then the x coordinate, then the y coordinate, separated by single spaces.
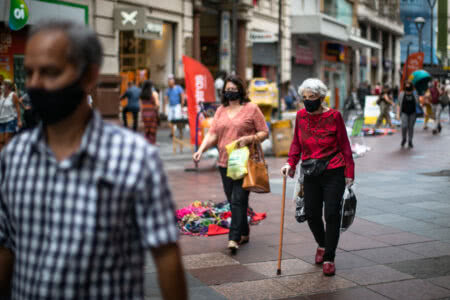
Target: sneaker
pixel 403 143
pixel 328 268
pixel 233 246
pixel 319 255
pixel 244 239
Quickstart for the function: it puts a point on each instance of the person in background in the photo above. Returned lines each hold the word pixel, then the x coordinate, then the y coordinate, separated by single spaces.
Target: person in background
pixel 175 97
pixel 30 118
pixel 427 108
pixel 378 89
pixel 385 102
pixel 149 111
pixel 291 97
pixel 363 91
pixel 320 133
pixel 218 84
pixel 237 119
pixel 447 91
pixel 351 104
pixel 1 83
pixel 132 94
pixel 83 201
pixel 406 112
pixel 436 93
pixel 10 116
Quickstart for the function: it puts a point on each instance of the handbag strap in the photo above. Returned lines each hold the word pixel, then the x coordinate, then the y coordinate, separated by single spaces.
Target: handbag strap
pixel 256 149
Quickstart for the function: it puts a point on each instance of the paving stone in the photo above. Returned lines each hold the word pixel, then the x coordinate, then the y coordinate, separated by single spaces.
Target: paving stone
pixel 429 249
pixel 345 260
pixel 314 283
pixel 207 260
pixel 388 218
pixel 443 281
pixel 437 233
pixel 430 205
pixel 356 293
pixel 350 241
pixel 288 267
pixel 387 254
pixel 415 289
pixel 424 268
pixel 205 293
pixel 444 221
pixel 402 238
pixel 226 274
pixel 364 227
pixel 373 275
pixel 258 254
pixel 414 226
pixel 254 290
pixel 301 249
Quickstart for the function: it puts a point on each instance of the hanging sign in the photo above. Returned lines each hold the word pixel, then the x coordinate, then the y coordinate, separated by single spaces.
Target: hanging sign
pixel 18 14
pixel 153 30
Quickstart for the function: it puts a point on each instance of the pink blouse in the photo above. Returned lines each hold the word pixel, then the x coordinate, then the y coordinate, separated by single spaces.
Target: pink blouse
pixel 248 121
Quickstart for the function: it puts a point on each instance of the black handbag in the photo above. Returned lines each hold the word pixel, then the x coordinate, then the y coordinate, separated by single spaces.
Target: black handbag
pixel 316 166
pixel 348 209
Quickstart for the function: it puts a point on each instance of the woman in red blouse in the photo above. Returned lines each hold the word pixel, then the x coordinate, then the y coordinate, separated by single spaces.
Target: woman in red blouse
pixel 320 133
pixel 236 119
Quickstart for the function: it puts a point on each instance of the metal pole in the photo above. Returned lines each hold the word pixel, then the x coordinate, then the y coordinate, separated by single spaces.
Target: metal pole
pixel 420 39
pixel 234 36
pixel 280 59
pixel 431 4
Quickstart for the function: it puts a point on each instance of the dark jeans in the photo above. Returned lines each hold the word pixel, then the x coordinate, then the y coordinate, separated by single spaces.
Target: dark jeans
pixel 135 117
pixel 238 199
pixel 408 122
pixel 327 188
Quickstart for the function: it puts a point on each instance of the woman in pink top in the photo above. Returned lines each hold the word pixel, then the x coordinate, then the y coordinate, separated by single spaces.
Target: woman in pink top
pixel 236 119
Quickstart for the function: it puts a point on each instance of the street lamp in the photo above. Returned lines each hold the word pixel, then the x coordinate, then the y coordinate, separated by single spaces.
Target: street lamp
pixel 407 49
pixel 420 22
pixel 432 4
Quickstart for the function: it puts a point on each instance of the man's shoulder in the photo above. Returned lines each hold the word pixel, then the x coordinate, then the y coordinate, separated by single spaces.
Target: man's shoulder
pixel 20 142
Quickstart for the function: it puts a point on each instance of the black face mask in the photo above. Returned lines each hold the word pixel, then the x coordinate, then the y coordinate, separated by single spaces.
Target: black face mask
pixel 312 105
pixel 409 88
pixel 232 96
pixel 56 105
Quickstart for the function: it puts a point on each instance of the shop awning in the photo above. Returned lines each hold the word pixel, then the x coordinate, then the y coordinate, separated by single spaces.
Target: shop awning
pixel 359 42
pixel 320 25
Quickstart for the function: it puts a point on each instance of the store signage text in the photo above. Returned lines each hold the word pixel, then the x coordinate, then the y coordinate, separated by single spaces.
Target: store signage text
pixel 129 18
pixel 262 37
pixel 153 30
pixel 18 14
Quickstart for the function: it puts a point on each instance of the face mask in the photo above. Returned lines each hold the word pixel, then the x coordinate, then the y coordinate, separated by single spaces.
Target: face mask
pixel 231 96
pixel 56 105
pixel 409 88
pixel 312 105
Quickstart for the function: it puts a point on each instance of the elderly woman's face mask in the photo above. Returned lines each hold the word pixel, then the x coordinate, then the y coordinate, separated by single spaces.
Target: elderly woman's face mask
pixel 312 101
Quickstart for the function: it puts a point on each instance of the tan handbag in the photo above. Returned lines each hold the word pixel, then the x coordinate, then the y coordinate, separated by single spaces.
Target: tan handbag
pixel 257 178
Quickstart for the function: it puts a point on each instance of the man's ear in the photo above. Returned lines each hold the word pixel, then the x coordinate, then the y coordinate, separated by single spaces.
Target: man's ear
pixel 90 78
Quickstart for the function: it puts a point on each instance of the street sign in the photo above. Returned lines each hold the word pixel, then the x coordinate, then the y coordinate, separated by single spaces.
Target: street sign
pixel 262 37
pixel 126 18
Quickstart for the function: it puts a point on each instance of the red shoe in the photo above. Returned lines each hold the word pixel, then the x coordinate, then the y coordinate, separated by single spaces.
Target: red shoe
pixel 319 255
pixel 328 268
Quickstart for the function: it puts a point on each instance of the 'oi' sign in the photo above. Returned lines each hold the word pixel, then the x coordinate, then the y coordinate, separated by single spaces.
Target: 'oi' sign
pixel 18 14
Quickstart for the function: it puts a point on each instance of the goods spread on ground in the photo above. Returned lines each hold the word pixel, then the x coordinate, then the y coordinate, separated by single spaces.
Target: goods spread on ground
pixel 209 218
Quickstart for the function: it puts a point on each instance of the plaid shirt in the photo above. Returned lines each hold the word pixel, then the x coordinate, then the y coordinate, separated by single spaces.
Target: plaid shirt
pixel 80 228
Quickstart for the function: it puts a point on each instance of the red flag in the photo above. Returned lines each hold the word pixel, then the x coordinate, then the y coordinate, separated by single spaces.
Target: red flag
pixel 199 88
pixel 413 63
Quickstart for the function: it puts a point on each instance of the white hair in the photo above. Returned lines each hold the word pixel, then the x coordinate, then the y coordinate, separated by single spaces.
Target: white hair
pixel 313 85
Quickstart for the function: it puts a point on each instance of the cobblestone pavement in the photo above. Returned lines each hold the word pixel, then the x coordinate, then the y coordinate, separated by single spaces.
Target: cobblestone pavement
pixel 398 247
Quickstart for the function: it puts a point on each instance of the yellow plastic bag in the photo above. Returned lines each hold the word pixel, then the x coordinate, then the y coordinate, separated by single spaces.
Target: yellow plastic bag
pixel 237 161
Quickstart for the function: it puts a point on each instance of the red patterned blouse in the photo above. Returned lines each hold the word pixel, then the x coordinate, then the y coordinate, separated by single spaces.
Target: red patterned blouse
pixel 319 136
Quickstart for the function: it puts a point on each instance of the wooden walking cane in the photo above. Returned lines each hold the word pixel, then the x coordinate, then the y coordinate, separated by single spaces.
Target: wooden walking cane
pixel 280 248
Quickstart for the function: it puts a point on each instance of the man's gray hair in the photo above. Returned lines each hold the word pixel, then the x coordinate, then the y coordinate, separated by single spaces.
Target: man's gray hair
pixel 85 48
pixel 315 86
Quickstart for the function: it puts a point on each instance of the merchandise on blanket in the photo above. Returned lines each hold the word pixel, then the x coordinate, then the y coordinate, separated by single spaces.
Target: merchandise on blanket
pixel 348 209
pixel 209 218
pixel 378 132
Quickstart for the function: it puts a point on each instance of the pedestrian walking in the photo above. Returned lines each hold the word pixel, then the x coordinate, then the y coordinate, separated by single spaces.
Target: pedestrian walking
pixel 351 105
pixel 175 97
pixel 406 111
pixel 321 142
pixel 291 97
pixel 237 119
pixel 436 93
pixel 363 91
pixel 149 111
pixel 132 94
pixel 447 91
pixel 10 116
pixel 83 200
pixel 427 108
pixel 385 102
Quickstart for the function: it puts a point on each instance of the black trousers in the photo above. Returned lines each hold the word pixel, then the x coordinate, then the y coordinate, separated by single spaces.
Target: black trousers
pixel 238 199
pixel 135 117
pixel 327 188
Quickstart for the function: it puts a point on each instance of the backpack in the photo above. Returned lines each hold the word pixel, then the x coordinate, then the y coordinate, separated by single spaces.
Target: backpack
pixel 444 100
